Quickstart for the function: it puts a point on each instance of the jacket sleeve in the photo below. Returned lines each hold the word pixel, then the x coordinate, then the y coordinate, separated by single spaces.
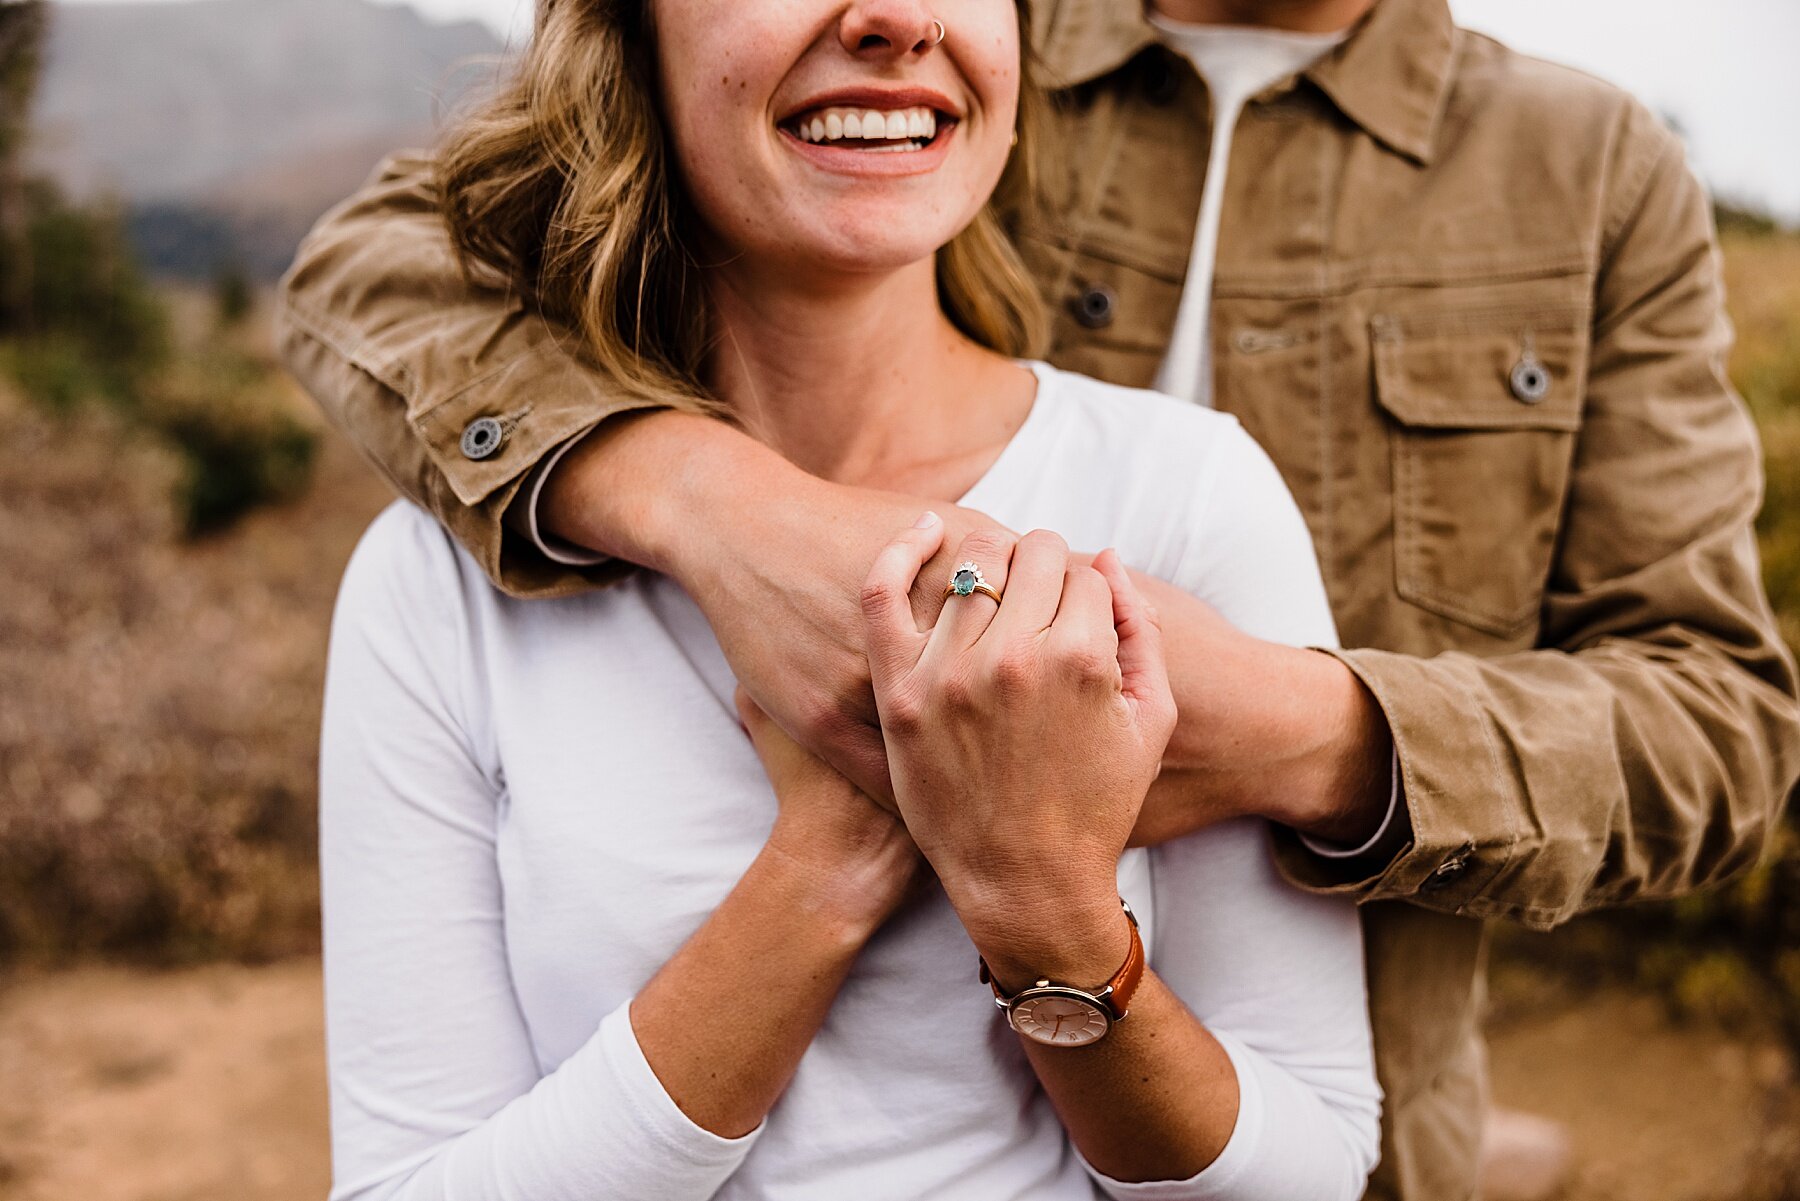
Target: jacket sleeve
pixel 1648 748
pixel 404 355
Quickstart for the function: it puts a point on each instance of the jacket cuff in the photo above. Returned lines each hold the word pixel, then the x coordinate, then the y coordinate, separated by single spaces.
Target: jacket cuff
pixel 490 433
pixel 1463 812
pixel 530 411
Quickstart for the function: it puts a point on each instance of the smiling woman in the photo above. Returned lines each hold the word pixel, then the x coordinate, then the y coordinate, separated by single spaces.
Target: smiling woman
pixel 572 180
pixel 687 964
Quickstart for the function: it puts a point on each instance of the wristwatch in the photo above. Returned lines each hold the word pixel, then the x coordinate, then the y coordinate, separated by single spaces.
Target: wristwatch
pixel 1061 1015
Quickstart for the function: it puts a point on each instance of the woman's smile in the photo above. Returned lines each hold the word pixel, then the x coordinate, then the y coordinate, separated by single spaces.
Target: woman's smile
pixel 838 139
pixel 873 131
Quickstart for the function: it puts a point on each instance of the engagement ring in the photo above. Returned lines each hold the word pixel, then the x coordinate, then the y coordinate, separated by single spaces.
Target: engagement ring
pixel 968 580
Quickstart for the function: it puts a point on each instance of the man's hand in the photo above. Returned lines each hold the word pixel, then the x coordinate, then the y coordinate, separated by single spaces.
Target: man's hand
pixel 774 557
pixel 785 609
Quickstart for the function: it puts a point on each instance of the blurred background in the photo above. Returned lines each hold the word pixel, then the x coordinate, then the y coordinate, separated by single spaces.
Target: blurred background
pixel 174 518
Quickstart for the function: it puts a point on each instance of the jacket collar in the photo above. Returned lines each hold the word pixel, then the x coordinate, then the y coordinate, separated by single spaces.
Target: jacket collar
pixel 1081 40
pixel 1391 77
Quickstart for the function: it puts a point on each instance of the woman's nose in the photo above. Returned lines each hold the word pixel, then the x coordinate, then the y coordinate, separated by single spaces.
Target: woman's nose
pixel 880 30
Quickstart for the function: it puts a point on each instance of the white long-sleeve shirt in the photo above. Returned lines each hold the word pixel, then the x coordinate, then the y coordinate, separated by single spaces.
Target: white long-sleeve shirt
pixel 527 806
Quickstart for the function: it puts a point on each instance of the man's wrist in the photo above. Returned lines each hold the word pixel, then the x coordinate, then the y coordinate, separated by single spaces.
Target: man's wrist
pixel 651 487
pixel 1340 787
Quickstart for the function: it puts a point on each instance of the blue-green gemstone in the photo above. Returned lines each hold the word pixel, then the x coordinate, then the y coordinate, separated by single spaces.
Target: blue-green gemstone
pixel 963 581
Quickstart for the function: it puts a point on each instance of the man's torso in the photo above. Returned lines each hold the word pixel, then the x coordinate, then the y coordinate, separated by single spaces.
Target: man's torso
pixel 1411 239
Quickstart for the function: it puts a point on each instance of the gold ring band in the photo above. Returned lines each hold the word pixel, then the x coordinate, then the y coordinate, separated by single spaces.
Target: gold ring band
pixel 983 588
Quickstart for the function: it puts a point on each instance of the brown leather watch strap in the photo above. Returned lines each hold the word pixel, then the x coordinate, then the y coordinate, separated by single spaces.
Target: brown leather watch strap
pixel 1116 992
pixel 1124 984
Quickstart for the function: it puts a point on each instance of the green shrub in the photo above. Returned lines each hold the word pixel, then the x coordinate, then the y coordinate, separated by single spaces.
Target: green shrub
pixel 232 296
pixel 93 331
pixel 240 445
pixel 57 371
pixel 84 289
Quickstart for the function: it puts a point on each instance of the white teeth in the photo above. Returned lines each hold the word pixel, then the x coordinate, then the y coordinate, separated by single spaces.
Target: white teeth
pixel 913 126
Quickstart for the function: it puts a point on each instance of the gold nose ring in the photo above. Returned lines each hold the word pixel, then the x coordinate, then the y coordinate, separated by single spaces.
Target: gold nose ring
pixel 940 32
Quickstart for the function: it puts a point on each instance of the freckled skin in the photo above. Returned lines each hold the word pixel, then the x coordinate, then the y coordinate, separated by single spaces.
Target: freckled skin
pixel 755 196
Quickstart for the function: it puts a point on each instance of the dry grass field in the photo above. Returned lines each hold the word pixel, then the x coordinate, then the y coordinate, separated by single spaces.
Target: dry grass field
pixel 159 1026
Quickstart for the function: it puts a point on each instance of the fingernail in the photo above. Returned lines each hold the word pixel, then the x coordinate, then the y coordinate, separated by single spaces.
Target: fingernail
pixel 926 520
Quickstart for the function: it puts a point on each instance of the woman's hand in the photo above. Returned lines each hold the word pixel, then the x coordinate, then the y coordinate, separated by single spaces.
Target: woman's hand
pixel 856 855
pixel 1022 738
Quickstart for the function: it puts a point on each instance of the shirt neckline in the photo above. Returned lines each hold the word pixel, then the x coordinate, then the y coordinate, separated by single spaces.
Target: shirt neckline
pixel 1248 33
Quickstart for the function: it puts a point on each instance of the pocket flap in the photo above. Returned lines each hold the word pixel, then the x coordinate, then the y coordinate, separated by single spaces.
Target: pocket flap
pixel 1441 372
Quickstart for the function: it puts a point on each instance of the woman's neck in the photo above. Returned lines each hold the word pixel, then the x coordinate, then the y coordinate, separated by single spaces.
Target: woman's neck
pixel 862 380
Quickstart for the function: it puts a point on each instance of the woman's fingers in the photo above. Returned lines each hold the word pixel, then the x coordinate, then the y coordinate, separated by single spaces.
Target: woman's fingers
pixel 1141 661
pixel 1034 586
pixel 1082 638
pixel 894 637
pixel 965 617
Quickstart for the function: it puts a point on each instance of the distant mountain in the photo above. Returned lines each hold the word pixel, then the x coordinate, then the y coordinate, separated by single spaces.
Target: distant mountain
pixel 245 118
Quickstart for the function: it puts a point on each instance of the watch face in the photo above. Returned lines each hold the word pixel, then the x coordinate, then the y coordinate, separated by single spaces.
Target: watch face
pixel 1060 1019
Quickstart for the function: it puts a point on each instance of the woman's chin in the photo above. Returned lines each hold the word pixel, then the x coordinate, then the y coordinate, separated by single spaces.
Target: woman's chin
pixel 865 248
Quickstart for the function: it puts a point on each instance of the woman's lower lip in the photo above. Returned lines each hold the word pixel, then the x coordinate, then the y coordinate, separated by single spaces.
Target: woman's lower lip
pixel 841 161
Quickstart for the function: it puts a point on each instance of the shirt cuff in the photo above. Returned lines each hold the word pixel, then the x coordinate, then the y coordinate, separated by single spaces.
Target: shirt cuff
pixel 1337 850
pixel 553 548
pixel 1219 1179
pixel 673 1134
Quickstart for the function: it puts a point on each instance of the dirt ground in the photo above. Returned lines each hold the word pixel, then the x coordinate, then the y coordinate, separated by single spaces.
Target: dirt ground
pixel 208 1085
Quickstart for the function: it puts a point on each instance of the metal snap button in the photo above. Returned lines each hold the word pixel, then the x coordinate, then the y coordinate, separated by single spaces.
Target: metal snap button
pixel 1094 307
pixel 1447 872
pixel 1161 84
pixel 1530 379
pixel 483 438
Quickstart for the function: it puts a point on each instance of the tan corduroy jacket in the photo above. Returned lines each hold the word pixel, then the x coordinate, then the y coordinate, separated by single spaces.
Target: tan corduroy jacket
pixel 1470 303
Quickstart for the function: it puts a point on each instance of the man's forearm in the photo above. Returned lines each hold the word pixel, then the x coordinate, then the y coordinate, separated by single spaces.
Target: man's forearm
pixel 641 485
pixel 1275 731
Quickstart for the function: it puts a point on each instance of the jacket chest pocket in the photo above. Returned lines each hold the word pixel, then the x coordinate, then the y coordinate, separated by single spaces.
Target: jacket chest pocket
pixel 1484 410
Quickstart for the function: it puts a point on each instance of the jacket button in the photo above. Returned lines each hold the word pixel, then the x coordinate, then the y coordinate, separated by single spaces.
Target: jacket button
pixel 1530 379
pixel 1160 83
pixel 1094 307
pixel 482 439
pixel 1447 872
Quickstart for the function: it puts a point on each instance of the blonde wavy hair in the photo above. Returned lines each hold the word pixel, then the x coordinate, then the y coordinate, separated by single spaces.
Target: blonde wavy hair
pixel 562 182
